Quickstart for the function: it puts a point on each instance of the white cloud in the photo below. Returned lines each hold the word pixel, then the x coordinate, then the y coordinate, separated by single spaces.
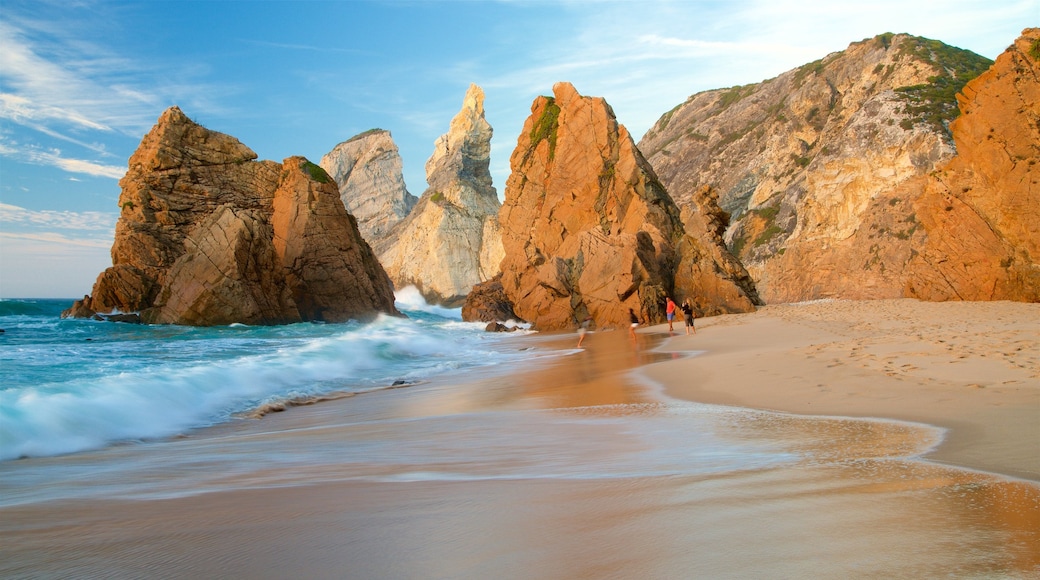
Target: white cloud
pixel 56 239
pixel 85 167
pixel 65 220
pixel 54 158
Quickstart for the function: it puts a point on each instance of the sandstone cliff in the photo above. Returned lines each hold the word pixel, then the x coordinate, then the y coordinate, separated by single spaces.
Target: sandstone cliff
pixel 981 211
pixel 209 236
pixel 817 165
pixel 587 228
pixel 450 241
pixel 368 169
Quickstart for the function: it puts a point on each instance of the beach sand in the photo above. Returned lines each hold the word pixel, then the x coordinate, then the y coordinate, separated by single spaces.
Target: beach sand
pixel 972 368
pixel 577 467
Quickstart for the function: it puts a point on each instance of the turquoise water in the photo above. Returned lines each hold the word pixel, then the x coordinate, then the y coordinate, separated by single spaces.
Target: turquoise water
pixel 73 385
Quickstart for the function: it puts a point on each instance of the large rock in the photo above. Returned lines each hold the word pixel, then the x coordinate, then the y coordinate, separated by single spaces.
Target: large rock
pixel 587 228
pixel 817 165
pixel 487 302
pixel 450 241
pixel 981 211
pixel 368 169
pixel 708 274
pixel 208 236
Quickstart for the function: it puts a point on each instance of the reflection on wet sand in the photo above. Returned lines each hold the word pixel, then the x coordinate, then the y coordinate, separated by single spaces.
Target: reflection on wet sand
pixel 562 469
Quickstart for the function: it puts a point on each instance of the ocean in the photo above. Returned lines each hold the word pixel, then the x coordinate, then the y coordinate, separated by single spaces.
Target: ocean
pixel 72 385
pixel 426 447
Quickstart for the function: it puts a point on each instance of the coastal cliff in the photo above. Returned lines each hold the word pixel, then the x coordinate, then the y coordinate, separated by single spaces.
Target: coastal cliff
pixel 368 170
pixel 820 167
pixel 450 241
pixel 207 235
pixel 981 210
pixel 587 228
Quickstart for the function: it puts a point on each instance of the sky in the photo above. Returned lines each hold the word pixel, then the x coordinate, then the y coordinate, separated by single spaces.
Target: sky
pixel 82 82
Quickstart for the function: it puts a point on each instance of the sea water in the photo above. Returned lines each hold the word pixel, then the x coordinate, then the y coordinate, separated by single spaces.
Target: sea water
pixel 69 385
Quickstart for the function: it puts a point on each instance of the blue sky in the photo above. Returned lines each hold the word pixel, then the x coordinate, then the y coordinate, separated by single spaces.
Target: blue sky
pixel 81 82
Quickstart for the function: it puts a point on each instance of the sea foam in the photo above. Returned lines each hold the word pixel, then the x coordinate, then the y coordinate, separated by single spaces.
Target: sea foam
pixel 73 385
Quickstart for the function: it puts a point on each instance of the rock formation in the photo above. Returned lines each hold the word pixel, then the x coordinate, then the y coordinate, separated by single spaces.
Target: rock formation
pixel 816 165
pixel 209 236
pixel 450 240
pixel 487 302
pixel 587 228
pixel 368 169
pixel 981 211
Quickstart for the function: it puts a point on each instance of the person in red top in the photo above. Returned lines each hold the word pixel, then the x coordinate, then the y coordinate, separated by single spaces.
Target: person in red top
pixel 670 311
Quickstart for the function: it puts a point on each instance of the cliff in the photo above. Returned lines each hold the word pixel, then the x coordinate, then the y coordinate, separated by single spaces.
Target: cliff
pixel 981 211
pixel 818 166
pixel 450 241
pixel 209 236
pixel 587 228
pixel 368 169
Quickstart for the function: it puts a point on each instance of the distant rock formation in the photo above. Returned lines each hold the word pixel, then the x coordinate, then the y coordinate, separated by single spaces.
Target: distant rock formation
pixel 981 211
pixel 209 236
pixel 450 241
pixel 817 165
pixel 587 228
pixel 368 169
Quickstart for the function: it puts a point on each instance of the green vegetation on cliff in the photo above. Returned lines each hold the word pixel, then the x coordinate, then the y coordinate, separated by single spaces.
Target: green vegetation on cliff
pixel 316 172
pixel 547 126
pixel 935 102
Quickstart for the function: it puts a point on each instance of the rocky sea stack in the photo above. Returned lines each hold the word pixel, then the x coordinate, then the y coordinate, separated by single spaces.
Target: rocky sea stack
pixel 210 236
pixel 587 228
pixel 368 169
pixel 450 240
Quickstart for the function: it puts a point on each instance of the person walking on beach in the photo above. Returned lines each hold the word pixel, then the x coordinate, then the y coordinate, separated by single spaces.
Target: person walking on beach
pixel 583 329
pixel 687 310
pixel 634 323
pixel 669 311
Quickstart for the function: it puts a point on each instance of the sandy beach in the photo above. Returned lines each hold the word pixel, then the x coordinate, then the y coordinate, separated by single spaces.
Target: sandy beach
pixel 576 466
pixel 972 368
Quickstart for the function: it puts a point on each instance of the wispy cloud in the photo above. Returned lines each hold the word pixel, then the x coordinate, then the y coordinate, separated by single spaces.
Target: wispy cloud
pixel 57 85
pixel 94 221
pixel 54 158
pixel 57 239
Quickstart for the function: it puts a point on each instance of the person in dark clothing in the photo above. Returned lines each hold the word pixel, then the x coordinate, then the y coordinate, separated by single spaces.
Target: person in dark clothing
pixel 687 310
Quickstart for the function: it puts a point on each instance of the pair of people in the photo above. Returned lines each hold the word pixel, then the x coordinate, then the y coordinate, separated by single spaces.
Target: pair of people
pixel 687 310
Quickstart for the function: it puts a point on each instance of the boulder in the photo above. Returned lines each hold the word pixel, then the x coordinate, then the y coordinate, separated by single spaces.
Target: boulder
pixel 487 302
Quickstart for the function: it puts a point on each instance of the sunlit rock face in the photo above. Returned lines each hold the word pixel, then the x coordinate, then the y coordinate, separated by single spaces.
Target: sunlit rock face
pixel 981 210
pixel 587 228
pixel 450 241
pixel 823 168
pixel 209 236
pixel 369 172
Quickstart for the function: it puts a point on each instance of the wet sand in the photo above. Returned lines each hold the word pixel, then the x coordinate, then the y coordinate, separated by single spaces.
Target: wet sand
pixel 972 368
pixel 571 467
